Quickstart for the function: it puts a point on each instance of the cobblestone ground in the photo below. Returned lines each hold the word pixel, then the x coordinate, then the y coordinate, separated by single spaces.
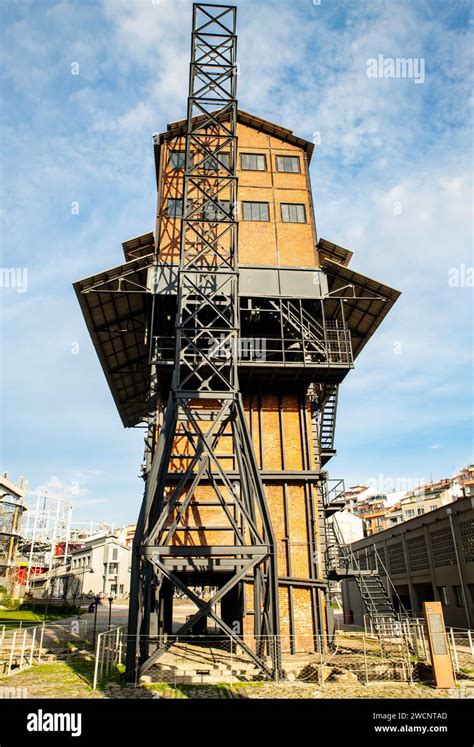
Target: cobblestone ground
pixel 55 680
pixel 73 680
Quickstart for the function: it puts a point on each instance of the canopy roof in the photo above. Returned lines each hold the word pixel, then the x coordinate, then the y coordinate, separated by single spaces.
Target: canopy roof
pixel 115 308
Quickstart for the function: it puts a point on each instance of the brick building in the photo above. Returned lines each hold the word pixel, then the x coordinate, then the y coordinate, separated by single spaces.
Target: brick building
pixel 295 316
pixel 279 251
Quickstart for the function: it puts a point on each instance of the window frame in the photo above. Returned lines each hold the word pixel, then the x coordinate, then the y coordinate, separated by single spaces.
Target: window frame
pixel 226 209
pixel 174 200
pixel 296 205
pixel 256 155
pixel 286 171
pixel 174 152
pixel 259 219
pixel 207 158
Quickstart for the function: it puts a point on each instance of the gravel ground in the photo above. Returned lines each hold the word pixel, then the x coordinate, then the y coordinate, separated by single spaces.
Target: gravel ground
pixel 73 680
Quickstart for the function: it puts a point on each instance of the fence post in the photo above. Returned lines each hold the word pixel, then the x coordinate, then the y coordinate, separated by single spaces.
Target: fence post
pixel 33 638
pixel 120 648
pixel 11 652
pixel 321 664
pixel 454 652
pixel 277 657
pixel 469 635
pixel 23 644
pixel 408 655
pixel 96 664
pixel 365 662
pixel 41 642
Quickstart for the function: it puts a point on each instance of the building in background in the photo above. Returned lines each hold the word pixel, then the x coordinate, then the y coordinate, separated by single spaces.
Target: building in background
pixel 429 557
pixel 98 563
pixel 380 511
pixel 11 512
pixel 465 480
pixel 104 563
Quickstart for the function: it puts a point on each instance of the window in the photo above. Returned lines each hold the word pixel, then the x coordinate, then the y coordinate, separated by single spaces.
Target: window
pixel 113 569
pixel 458 596
pixel 253 162
pixel 115 553
pixel 288 164
pixel 174 208
pixel 471 591
pixel 212 212
pixel 421 511
pixel 433 507
pixel 410 512
pixel 292 213
pixel 255 211
pixel 443 595
pixel 177 159
pixel 214 163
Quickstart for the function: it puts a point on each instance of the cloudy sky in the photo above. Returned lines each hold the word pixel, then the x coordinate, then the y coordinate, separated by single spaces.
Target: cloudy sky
pixel 84 86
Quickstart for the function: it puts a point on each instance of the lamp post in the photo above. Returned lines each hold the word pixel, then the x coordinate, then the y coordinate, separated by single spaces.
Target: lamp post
pixel 111 599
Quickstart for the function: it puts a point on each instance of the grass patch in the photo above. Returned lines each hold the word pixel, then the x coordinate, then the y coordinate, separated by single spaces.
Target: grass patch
pixel 7 616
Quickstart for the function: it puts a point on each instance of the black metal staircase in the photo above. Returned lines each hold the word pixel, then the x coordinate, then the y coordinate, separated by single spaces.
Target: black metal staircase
pixel 342 563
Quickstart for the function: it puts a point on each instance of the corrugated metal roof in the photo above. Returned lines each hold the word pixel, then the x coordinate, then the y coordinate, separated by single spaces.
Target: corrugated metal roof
pixel 367 302
pixel 115 307
pixel 140 246
pixel 334 252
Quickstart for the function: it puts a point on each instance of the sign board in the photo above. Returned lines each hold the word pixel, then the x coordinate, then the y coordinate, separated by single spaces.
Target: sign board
pixel 438 642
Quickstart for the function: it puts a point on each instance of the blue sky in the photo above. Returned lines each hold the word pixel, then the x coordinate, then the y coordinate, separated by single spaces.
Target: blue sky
pixel 406 410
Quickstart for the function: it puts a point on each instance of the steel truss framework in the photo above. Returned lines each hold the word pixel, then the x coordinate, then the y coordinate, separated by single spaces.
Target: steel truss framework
pixel 204 413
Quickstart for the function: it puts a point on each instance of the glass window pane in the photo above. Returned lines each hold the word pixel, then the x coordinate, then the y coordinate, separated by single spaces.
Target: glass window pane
pixel 174 208
pixel 252 162
pixel 177 159
pixel 255 211
pixel 215 163
pixel 288 164
pixel 293 213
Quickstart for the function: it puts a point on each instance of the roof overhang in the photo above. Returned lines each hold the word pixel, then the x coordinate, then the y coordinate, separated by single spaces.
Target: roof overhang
pixel 115 308
pixel 178 128
pixel 334 252
pixel 366 301
pixel 140 246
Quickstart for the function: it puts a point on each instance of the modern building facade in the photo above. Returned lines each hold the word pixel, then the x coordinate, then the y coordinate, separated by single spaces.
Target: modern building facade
pixel 427 558
pixel 227 332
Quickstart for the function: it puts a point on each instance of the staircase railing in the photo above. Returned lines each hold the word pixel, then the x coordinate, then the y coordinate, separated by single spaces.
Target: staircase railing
pixel 401 607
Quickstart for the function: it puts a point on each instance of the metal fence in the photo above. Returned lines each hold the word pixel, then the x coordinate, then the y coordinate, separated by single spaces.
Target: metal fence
pixel 108 654
pixel 460 642
pixel 347 659
pixel 21 646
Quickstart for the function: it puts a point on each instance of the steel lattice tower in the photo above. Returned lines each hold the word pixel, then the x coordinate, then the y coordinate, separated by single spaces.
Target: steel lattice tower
pixel 204 408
